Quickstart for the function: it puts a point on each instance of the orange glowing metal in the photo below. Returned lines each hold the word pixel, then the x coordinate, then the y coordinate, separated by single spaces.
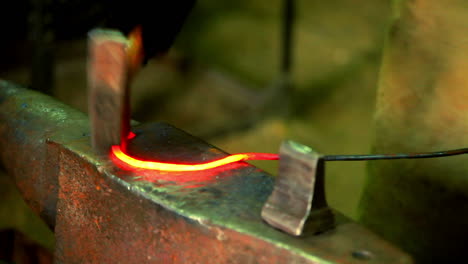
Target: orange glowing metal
pixel 131 135
pixel 135 50
pixel 162 166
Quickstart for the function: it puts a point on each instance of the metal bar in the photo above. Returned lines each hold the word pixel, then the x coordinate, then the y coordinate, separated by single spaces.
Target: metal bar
pixel 289 13
pixel 103 212
pixel 422 155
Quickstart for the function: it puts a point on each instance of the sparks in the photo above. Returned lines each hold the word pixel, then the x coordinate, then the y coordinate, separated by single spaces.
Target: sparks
pixel 163 166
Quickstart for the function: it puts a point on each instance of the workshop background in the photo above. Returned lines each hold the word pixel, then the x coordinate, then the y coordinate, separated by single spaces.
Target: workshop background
pixel 220 81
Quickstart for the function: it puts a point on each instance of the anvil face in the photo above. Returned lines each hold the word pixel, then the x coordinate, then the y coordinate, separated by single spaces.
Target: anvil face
pixel 103 212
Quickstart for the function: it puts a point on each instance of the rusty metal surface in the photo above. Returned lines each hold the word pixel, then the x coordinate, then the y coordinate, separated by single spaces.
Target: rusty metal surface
pixel 27 120
pixel 298 197
pixel 111 214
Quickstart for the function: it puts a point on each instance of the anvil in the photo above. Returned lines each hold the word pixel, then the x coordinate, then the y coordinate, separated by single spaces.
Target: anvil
pixel 104 212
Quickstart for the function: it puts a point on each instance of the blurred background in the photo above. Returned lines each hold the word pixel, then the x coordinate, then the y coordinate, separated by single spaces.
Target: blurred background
pixel 221 81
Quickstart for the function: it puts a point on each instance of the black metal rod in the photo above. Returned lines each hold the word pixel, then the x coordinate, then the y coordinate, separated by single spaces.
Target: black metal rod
pixel 288 21
pixel 423 155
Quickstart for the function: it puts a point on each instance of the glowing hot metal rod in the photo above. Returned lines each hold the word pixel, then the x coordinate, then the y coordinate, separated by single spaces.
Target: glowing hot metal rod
pixel 162 166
